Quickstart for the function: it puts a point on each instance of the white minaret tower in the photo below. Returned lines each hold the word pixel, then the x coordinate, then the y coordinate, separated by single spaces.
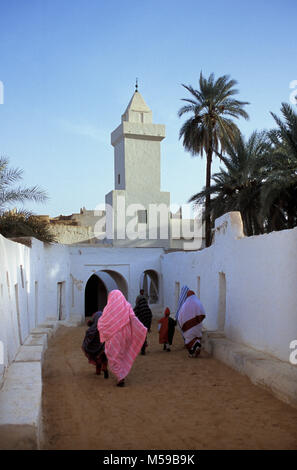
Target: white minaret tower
pixel 137 177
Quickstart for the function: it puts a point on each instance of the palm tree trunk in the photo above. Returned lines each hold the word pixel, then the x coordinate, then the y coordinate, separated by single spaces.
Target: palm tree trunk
pixel 207 199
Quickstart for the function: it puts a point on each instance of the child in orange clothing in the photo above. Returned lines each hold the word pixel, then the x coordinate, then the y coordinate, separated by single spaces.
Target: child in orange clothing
pixel 166 330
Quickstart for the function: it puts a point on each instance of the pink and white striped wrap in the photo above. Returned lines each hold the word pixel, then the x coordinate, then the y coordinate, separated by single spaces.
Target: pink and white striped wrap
pixel 122 333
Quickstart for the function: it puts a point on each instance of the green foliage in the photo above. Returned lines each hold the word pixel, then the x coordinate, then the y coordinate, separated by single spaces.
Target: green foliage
pixel 19 223
pixel 8 195
pixel 24 224
pixel 211 108
pixel 259 178
pixel 279 195
pixel 237 187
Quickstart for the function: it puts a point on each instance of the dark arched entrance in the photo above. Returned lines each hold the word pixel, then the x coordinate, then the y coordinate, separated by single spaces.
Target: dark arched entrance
pixel 149 282
pixel 95 295
pixel 98 287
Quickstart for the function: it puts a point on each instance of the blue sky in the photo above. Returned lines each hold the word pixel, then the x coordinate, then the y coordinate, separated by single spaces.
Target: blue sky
pixel 69 69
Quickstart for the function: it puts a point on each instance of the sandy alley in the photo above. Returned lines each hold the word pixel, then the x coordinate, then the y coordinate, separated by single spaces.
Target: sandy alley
pixel 170 402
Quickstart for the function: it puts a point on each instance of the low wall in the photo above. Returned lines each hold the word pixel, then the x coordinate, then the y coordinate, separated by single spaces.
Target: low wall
pixel 247 285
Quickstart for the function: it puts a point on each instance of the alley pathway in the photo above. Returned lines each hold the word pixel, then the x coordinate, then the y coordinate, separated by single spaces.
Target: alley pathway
pixel 170 402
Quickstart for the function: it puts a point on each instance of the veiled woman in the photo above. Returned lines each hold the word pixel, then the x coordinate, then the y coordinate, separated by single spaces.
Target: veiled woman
pixel 93 348
pixel 144 314
pixel 122 333
pixel 181 301
pixel 190 318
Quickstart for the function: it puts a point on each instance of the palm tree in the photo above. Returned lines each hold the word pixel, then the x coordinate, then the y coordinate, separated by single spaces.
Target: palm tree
pixel 8 195
pixel 210 125
pixel 279 195
pixel 17 223
pixel 237 187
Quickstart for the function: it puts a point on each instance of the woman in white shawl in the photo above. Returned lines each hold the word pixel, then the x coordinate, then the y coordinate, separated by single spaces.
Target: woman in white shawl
pixel 190 318
pixel 181 300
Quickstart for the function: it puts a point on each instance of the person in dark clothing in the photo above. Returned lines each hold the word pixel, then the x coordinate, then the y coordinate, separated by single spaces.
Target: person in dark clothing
pixel 140 296
pixel 144 314
pixel 93 348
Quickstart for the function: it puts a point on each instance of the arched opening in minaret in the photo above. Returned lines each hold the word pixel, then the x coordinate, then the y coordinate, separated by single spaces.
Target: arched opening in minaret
pixel 95 295
pixel 149 282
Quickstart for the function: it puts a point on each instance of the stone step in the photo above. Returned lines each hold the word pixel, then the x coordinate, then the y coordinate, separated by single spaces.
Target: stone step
pixel 278 377
pixel 20 405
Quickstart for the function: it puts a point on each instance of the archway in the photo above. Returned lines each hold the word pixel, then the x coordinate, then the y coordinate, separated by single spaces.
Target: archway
pixel 97 288
pixel 95 295
pixel 119 280
pixel 149 282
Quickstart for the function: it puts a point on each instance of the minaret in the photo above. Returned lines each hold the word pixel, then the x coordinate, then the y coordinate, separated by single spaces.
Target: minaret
pixel 136 143
pixel 137 158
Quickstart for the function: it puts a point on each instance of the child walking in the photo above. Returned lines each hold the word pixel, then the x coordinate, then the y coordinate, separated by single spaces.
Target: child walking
pixel 166 326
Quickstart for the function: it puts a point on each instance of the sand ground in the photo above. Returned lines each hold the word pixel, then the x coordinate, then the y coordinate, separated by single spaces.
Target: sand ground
pixel 170 402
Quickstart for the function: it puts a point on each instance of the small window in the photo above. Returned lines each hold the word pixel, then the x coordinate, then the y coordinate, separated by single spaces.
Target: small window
pixel 119 179
pixel 142 216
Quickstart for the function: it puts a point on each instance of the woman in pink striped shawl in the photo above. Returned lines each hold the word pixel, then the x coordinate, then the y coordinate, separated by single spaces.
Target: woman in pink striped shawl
pixel 122 333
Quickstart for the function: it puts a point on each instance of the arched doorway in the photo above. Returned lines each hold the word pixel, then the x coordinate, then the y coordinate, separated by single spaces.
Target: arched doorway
pixel 149 282
pixel 119 280
pixel 97 288
pixel 95 295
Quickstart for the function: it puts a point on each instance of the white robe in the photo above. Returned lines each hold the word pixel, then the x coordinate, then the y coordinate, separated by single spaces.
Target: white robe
pixel 189 310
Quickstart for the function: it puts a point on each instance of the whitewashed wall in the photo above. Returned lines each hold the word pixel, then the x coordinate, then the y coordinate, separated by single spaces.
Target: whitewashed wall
pixel 28 289
pixel 261 284
pixel 56 270
pixel 20 266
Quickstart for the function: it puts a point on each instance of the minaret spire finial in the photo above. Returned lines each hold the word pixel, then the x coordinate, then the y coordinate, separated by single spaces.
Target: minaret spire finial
pixel 136 84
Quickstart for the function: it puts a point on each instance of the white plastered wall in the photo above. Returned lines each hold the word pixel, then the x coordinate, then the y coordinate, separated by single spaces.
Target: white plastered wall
pixel 29 276
pixel 261 281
